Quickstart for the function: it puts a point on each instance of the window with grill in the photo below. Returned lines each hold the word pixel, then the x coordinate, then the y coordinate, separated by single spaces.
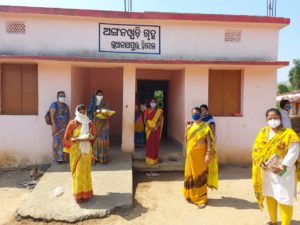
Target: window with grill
pixel 15 28
pixel 224 97
pixel 19 89
pixel 233 36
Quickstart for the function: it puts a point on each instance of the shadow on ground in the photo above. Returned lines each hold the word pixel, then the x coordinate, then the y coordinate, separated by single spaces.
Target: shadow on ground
pixel 232 203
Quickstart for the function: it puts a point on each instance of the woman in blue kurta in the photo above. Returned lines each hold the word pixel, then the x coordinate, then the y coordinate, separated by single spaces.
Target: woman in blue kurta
pixel 60 116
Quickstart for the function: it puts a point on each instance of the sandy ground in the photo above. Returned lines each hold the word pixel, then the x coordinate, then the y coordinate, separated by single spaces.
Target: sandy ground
pixel 159 201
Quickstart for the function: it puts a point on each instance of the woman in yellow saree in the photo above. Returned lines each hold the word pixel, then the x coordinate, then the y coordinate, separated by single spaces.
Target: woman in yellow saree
pixel 276 181
pixel 153 119
pixel 201 165
pixel 78 139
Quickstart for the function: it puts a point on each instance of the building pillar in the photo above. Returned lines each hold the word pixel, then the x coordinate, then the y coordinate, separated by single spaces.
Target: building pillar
pixel 129 80
pixel 195 91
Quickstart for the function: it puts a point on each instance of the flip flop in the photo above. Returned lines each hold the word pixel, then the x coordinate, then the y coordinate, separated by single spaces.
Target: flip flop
pixel 154 174
pixel 149 175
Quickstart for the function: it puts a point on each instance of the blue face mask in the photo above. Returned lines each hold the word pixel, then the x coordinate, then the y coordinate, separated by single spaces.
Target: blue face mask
pixel 196 116
pixel 289 107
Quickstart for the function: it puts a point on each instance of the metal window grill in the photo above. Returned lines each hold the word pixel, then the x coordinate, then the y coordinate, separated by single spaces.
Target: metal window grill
pixel 233 36
pixel 15 28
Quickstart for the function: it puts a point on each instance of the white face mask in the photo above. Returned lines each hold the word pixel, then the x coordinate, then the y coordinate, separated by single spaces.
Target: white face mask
pixel 274 123
pixel 98 98
pixel 152 104
pixel 62 99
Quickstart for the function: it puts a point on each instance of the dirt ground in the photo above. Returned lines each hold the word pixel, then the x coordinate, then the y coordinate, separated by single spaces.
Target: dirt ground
pixel 159 201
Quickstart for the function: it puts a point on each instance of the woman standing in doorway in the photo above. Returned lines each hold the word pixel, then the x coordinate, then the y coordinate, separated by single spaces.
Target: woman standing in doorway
pixel 139 128
pixel 201 166
pixel 277 180
pixel 101 144
pixel 60 116
pixel 153 119
pixel 78 138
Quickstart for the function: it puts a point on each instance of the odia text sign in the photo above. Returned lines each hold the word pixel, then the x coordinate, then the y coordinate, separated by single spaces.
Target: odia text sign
pixel 125 38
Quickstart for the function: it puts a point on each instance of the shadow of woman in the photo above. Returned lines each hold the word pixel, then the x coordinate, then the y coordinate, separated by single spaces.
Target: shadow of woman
pixel 131 213
pixel 232 203
pixel 117 204
pixel 295 222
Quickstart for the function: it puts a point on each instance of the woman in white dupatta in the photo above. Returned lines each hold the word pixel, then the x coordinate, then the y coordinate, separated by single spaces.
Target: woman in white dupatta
pixel 79 136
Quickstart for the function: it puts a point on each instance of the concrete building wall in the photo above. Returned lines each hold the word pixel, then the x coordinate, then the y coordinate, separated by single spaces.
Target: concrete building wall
pixel 176 105
pixel 235 135
pixel 80 86
pixel 110 81
pixel 27 139
pixel 64 36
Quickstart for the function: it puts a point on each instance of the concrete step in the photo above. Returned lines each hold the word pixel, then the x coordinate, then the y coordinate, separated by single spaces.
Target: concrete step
pixel 165 165
pixel 172 156
pixel 112 188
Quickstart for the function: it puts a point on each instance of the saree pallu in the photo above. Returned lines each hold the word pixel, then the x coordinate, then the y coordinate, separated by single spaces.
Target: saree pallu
pixel 62 117
pixel 80 164
pixel 263 149
pixel 197 174
pixel 153 138
pixel 139 131
pixel 101 143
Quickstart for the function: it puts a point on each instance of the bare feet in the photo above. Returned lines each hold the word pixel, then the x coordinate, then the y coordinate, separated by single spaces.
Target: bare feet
pixel 79 201
pixel 201 206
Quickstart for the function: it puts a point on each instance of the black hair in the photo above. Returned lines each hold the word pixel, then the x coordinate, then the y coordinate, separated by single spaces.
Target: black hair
pixel 274 111
pixel 81 107
pixel 204 106
pixel 197 109
pixel 283 103
pixel 99 91
pixel 60 92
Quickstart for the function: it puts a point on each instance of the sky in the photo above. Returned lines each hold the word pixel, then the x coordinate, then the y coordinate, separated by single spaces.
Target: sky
pixel 289 39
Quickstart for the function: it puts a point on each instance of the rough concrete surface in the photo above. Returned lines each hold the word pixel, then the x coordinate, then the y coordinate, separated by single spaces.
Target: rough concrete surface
pixel 112 186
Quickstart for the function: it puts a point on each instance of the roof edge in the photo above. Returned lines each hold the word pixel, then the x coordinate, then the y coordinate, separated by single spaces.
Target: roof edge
pixel 144 61
pixel 144 15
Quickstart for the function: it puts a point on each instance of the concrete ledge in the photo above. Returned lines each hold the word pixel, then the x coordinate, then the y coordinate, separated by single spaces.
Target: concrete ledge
pixel 112 186
pixel 167 165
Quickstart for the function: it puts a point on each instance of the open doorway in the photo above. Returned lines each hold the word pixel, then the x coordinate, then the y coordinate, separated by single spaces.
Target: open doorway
pixel 158 89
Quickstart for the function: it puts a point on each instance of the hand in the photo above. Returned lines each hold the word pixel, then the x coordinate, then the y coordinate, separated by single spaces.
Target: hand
pixel 74 139
pixel 207 158
pixel 276 170
pixel 54 130
pixel 83 139
pixel 263 166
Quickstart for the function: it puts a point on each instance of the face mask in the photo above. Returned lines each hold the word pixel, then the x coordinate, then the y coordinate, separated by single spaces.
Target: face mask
pixel 196 116
pixel 61 99
pixel 274 123
pixel 289 107
pixel 98 99
pixel 152 104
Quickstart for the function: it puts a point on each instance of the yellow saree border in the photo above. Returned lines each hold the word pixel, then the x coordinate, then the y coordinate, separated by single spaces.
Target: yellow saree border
pixel 195 133
pixel 152 123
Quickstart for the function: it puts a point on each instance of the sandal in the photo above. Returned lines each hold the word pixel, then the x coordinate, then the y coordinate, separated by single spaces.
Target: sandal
pixel 270 223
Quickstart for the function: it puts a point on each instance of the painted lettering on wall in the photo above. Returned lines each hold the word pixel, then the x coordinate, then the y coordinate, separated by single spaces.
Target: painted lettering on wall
pixel 125 38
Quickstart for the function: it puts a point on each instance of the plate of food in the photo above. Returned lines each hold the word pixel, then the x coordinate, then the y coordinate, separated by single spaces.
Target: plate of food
pixel 105 113
pixel 83 136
